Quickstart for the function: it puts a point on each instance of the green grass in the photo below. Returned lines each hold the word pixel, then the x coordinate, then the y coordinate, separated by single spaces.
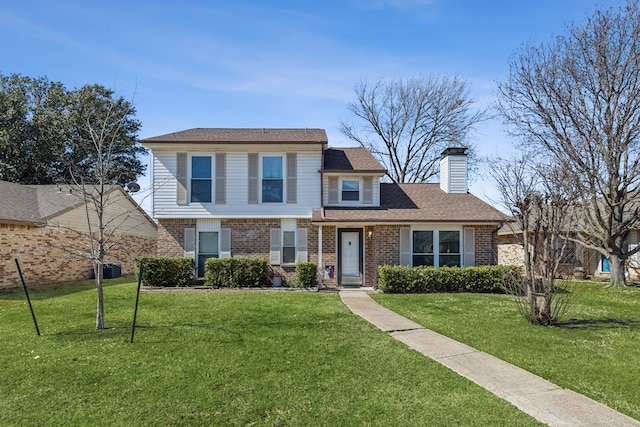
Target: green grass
pixel 220 358
pixel 595 350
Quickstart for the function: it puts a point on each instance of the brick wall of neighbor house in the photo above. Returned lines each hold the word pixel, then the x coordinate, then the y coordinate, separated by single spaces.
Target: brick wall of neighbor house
pixel 43 259
pixel 382 249
pixel 171 236
pixel 510 251
pixel 486 245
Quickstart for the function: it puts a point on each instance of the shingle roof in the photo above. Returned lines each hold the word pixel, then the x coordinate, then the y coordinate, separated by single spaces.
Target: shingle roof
pixel 415 203
pixel 240 135
pixel 34 204
pixel 355 159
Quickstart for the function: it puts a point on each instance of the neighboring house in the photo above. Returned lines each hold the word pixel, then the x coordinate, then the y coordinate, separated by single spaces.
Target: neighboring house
pixel 283 195
pixel 576 261
pixel 45 227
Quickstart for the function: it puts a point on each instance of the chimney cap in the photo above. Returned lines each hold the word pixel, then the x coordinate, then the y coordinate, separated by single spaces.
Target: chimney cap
pixel 460 151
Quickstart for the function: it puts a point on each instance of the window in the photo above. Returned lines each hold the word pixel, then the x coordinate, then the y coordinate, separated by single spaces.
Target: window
pixel 433 247
pixel 201 179
pixel 207 248
pixel 272 183
pixel 288 247
pixel 350 191
pixel 449 248
pixel 423 248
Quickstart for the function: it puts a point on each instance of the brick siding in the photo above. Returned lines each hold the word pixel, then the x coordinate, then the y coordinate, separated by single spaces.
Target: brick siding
pixel 50 255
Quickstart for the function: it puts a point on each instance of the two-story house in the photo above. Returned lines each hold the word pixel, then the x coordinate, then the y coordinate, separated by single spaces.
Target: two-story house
pixel 284 195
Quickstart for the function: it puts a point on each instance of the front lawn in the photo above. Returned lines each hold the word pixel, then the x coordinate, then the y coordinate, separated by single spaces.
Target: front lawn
pixel 220 358
pixel 595 351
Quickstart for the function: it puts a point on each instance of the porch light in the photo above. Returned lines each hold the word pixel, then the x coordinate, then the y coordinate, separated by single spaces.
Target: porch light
pixel 370 234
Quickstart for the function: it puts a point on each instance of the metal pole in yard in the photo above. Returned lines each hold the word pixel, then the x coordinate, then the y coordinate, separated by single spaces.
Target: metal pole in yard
pixel 135 312
pixel 24 286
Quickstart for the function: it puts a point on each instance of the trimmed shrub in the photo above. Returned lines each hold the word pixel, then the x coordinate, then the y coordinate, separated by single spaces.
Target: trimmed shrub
pixel 236 272
pixel 306 275
pixel 487 278
pixel 166 271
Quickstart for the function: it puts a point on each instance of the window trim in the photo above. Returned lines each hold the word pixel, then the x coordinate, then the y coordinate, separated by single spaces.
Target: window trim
pixel 282 179
pixel 436 244
pixel 341 190
pixel 211 179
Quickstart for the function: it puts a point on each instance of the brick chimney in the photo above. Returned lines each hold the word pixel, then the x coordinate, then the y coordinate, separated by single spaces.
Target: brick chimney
pixel 453 170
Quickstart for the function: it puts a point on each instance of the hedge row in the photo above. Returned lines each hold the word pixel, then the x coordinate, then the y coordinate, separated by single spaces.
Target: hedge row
pixel 166 271
pixel 490 278
pixel 236 272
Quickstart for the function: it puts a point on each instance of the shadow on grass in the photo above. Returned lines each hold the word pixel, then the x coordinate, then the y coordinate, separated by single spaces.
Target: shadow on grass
pixel 52 290
pixel 597 323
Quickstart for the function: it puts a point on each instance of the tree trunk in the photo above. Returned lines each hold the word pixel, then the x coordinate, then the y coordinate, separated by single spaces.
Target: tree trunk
pixel 100 308
pixel 617 276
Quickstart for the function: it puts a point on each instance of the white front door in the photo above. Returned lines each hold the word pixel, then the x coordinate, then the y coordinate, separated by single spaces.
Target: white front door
pixel 350 259
pixel 350 253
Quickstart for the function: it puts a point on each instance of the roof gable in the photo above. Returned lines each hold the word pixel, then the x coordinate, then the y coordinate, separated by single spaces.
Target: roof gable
pixel 354 159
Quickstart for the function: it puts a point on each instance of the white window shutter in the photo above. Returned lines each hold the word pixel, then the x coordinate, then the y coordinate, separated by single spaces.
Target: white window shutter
pixel 190 242
pixel 275 246
pixel 225 243
pixel 181 177
pixel 292 173
pixel 301 245
pixel 469 244
pixel 405 246
pixel 221 172
pixel 333 190
pixel 253 179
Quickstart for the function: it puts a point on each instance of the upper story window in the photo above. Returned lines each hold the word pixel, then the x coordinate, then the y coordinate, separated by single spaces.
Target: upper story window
pixel 350 191
pixel 201 179
pixel 272 179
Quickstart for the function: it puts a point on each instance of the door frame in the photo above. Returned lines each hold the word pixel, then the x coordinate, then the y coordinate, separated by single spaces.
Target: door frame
pixel 359 281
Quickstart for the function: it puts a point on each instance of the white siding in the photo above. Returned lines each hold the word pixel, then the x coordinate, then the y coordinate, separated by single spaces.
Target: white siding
pixel 453 174
pixel 237 184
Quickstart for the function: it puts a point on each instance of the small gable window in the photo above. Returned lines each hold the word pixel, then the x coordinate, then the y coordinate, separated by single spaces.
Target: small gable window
pixel 350 191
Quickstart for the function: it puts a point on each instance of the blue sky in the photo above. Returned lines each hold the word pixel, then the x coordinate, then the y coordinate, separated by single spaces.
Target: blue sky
pixel 275 63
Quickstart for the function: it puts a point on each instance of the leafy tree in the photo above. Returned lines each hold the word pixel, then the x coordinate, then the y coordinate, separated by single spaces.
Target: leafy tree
pixel 407 124
pixel 44 131
pixel 577 100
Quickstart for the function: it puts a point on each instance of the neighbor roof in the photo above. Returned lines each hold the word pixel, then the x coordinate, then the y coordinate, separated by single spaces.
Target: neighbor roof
pixel 355 159
pixel 246 135
pixel 415 203
pixel 34 204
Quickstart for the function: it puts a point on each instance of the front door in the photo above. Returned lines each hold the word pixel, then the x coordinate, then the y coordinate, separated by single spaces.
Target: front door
pixel 606 268
pixel 350 257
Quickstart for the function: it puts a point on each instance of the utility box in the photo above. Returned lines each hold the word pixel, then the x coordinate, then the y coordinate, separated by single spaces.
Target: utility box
pixel 111 271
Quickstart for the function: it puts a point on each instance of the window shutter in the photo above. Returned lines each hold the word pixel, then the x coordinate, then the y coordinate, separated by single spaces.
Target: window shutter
pixel 275 247
pixel 469 243
pixel 292 173
pixel 190 242
pixel 253 178
pixel 333 190
pixel 181 176
pixel 405 246
pixel 221 172
pixel 301 245
pixel 225 243
pixel 367 191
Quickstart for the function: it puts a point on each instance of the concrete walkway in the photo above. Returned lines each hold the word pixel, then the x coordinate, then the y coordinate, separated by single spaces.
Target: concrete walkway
pixel 530 393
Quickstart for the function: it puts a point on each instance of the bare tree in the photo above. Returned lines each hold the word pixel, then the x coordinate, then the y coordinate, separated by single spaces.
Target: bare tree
pixel 534 196
pixel 102 123
pixel 407 124
pixel 577 99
